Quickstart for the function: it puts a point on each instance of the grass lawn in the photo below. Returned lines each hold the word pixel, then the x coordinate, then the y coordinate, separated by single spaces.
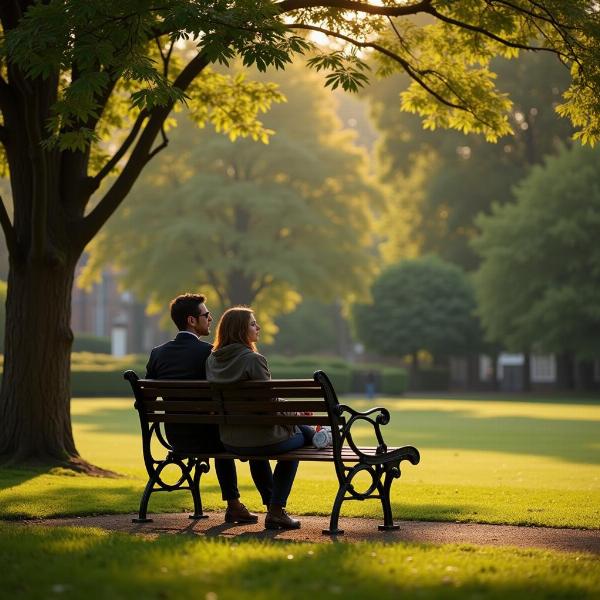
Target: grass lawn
pixel 494 461
pixel 91 564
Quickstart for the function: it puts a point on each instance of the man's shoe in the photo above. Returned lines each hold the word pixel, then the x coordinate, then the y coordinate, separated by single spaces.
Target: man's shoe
pixel 240 514
pixel 281 520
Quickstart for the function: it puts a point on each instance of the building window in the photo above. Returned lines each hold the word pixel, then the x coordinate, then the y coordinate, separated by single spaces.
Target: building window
pixel 543 368
pixel 486 372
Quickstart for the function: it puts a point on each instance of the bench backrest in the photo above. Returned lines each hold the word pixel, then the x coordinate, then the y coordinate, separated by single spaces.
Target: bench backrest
pixel 243 403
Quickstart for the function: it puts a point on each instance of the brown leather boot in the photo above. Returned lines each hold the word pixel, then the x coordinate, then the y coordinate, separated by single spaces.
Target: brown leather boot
pixel 277 518
pixel 238 513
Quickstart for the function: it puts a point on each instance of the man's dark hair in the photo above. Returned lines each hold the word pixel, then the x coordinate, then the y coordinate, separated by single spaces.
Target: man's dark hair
pixel 184 306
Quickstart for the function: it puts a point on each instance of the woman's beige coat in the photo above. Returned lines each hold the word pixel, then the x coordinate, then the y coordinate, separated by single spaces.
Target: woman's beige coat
pixel 237 362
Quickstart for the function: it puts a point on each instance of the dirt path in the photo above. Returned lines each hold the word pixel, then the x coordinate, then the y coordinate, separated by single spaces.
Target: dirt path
pixel 570 540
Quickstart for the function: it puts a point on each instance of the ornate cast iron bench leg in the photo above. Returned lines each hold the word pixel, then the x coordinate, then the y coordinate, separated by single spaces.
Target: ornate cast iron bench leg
pixel 335 512
pixel 145 499
pixel 200 467
pixel 391 472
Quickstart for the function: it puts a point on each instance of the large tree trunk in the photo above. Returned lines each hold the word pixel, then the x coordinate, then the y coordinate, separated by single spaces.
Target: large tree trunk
pixel 35 398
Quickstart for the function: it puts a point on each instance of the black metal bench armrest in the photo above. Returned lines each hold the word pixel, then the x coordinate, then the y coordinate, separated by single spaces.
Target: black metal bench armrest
pixel 409 453
pixel 376 417
pixel 382 418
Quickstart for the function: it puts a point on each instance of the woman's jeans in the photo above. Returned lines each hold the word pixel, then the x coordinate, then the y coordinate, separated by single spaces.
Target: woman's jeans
pixel 275 487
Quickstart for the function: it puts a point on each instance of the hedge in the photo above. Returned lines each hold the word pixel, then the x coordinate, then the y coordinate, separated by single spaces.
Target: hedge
pixel 86 342
pixel 430 379
pixel 394 381
pixel 341 378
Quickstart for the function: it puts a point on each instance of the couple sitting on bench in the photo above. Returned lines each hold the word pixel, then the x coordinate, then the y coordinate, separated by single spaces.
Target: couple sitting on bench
pixel 233 358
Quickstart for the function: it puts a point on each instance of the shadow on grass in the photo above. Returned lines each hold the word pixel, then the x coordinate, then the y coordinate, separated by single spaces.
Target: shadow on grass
pixel 57 496
pixel 185 567
pixel 64 500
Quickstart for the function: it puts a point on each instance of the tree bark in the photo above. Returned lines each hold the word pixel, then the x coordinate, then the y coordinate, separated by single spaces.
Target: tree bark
pixel 37 364
pixel 35 397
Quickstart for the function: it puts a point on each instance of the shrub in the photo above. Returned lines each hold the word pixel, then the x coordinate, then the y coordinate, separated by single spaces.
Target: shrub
pixel 341 378
pixel 430 379
pixel 393 381
pixel 86 342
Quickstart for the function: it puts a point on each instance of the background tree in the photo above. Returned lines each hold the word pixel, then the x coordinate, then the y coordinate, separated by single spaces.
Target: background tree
pixel 312 328
pixel 544 246
pixel 76 74
pixel 441 180
pixel 260 225
pixel 419 304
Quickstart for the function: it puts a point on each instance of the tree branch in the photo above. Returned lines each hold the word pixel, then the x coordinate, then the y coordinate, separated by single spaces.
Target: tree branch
pixel 7 227
pixel 414 73
pixel 411 71
pixel 118 155
pixel 141 154
pixel 462 25
pixel 161 146
pixel 77 186
pixel 390 11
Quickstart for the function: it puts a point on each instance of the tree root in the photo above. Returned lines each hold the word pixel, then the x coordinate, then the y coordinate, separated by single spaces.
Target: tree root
pixel 72 465
pixel 79 465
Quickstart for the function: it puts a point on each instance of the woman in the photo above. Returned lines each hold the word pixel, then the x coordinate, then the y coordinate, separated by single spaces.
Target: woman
pixel 234 358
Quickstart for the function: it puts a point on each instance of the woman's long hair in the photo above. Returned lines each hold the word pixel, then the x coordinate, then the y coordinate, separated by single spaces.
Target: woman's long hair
pixel 233 327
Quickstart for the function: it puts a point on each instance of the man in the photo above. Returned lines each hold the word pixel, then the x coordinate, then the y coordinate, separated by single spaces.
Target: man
pixel 185 358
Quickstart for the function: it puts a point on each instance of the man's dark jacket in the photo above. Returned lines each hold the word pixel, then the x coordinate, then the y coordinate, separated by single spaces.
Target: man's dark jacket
pixel 184 358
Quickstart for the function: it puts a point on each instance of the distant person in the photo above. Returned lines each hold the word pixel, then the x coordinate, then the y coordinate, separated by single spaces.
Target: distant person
pixel 234 358
pixel 370 385
pixel 185 358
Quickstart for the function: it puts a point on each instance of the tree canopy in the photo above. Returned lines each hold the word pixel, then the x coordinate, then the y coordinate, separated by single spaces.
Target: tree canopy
pixel 419 304
pixel 250 223
pixel 538 285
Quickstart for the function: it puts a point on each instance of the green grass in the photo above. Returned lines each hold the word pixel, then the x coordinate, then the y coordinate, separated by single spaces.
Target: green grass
pixel 92 564
pixel 496 461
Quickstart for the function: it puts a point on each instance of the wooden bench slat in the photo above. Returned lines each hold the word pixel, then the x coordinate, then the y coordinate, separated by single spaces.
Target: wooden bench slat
pixel 197 384
pixel 189 418
pixel 176 393
pixel 254 406
pixel 244 419
pixel 182 406
pixel 161 417
pixel 183 384
pixel 307 453
pixel 283 393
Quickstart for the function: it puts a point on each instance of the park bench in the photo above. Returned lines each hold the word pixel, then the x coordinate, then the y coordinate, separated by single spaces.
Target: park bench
pixel 252 402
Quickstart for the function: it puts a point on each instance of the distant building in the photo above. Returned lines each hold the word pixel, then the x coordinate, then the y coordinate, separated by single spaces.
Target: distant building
pixel 106 312
pixel 477 372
